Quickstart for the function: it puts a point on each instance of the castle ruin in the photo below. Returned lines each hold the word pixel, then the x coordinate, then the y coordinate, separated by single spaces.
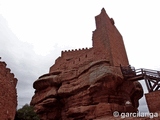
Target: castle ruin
pixel 89 83
pixel 8 93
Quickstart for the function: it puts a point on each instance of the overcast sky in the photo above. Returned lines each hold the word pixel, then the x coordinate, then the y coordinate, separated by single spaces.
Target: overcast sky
pixel 33 33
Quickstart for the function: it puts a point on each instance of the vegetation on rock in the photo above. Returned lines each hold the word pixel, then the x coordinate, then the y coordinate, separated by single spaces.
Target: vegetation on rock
pixel 26 113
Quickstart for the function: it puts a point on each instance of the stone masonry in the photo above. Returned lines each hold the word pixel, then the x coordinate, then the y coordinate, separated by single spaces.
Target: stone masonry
pixel 8 94
pixel 152 100
pixel 88 84
pixel 107 45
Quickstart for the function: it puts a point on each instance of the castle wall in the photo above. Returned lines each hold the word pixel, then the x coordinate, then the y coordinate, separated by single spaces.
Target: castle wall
pixel 72 59
pixel 88 83
pixel 99 45
pixel 8 94
pixel 107 45
pixel 118 51
pixel 153 101
pixel 108 41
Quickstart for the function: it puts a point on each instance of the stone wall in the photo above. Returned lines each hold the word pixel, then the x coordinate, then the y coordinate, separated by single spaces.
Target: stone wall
pixel 108 40
pixel 72 59
pixel 153 101
pixel 8 94
pixel 107 44
pixel 87 84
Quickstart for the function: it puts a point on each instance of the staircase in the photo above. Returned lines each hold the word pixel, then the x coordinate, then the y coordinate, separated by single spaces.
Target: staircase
pixel 151 77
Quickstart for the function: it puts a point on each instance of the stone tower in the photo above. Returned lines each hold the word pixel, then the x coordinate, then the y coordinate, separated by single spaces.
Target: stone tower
pixel 108 42
pixel 8 93
pixel 107 45
pixel 87 83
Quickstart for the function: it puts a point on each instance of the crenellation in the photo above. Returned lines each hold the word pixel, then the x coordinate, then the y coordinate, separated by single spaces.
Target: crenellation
pixel 8 70
pixel 91 81
pixel 75 50
pixel 2 63
pixel 8 100
pixel 72 58
pixel 112 21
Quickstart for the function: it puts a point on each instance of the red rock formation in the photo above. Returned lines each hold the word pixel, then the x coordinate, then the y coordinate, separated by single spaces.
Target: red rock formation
pixel 88 83
pixel 8 97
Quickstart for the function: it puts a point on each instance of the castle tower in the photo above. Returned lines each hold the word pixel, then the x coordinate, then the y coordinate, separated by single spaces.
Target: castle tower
pixel 107 45
pixel 88 83
pixel 108 42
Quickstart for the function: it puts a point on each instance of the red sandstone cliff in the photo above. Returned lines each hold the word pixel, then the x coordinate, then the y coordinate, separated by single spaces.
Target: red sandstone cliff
pixel 88 83
pixel 8 97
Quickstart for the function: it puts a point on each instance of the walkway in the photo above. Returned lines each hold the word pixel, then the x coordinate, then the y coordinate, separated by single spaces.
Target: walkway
pixel 151 77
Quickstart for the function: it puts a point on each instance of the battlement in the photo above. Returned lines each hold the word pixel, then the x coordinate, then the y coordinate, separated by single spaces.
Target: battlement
pixel 68 53
pixel 7 72
pixel 2 63
pixel 75 50
pixel 73 58
pixel 107 44
pixel 8 97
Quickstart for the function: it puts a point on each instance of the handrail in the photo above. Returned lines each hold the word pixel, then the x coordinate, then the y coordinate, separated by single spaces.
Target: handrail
pixel 151 77
pixel 142 71
pixel 153 73
pixel 149 70
pixel 139 71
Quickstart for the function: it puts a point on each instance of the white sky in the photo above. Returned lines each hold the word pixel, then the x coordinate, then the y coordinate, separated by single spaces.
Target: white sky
pixel 43 28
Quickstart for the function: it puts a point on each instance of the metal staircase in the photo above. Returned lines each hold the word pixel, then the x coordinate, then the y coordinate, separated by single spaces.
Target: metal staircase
pixel 151 77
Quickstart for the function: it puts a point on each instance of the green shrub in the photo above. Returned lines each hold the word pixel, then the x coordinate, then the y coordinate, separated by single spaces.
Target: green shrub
pixel 26 113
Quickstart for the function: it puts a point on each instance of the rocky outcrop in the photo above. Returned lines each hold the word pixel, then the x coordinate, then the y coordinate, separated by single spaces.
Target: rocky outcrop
pixel 97 90
pixel 88 84
pixel 8 94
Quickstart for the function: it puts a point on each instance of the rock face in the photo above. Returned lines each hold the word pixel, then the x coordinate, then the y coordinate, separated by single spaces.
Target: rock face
pixel 88 83
pixel 8 94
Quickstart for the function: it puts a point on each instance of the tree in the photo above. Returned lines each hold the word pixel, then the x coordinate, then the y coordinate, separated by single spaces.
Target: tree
pixel 26 113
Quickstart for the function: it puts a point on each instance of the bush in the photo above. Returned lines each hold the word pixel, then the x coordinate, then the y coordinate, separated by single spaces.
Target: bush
pixel 26 113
